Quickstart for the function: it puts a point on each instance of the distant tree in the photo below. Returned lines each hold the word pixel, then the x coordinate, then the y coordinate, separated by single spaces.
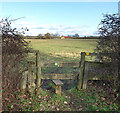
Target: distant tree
pixel 76 35
pixel 47 36
pixel 69 36
pixel 40 36
pixel 56 35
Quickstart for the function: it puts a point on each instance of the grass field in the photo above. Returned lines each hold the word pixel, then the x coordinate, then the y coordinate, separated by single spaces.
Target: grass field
pixel 99 95
pixel 65 50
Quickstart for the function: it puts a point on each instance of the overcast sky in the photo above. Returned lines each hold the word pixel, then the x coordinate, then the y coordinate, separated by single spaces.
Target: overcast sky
pixel 64 18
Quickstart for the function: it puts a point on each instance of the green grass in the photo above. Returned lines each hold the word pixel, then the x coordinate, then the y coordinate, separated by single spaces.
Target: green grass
pixel 65 50
pixel 72 100
pixel 91 100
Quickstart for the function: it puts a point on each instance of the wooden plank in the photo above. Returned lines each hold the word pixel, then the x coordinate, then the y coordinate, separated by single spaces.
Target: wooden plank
pixel 57 82
pixel 93 54
pixel 33 51
pixel 61 64
pixel 59 76
pixel 62 76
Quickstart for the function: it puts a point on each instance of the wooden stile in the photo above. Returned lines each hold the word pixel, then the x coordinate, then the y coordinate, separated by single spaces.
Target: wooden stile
pixel 81 75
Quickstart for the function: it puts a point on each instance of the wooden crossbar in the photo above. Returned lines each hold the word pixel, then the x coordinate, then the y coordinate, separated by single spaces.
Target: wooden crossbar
pixel 59 76
pixel 61 64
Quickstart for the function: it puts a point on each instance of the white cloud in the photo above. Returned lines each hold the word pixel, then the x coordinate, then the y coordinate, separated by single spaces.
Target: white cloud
pixel 35 29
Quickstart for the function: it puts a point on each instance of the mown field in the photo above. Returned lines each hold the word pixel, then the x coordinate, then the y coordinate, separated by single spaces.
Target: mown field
pixel 65 50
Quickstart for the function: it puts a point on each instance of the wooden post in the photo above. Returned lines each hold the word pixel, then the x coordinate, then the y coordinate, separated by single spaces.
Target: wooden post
pixel 58 89
pixel 31 84
pixel 81 73
pixel 24 81
pixel 38 74
pixel 58 85
pixel 85 76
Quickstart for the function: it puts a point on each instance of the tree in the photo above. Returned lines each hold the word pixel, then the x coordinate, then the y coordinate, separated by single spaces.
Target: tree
pixel 69 36
pixel 56 35
pixel 108 45
pixel 76 35
pixel 40 36
pixel 47 36
pixel 14 51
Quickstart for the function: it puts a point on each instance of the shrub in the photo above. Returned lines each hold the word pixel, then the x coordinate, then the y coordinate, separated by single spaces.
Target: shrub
pixel 14 52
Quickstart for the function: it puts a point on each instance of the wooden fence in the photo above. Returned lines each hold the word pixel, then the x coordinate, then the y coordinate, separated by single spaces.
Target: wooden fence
pixel 81 76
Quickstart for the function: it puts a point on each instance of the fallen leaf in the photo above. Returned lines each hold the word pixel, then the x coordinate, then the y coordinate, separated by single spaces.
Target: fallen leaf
pixel 53 106
pixel 30 102
pixel 72 102
pixel 7 99
pixel 65 102
pixel 12 106
pixel 39 96
pixel 80 106
pixel 48 104
pixel 93 105
pixel 102 98
pixel 58 109
pixel 80 109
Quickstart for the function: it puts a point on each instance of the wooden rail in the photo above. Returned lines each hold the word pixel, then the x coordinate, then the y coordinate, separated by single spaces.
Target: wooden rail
pixel 59 76
pixel 61 64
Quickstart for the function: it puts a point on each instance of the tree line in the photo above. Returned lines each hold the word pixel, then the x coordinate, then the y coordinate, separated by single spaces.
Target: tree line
pixel 57 36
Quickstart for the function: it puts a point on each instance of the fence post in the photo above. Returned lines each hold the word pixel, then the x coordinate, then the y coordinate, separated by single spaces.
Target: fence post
pixel 24 81
pixel 85 75
pixel 38 74
pixel 31 84
pixel 81 73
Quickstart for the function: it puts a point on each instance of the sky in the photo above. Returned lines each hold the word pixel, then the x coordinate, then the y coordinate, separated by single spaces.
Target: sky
pixel 64 18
